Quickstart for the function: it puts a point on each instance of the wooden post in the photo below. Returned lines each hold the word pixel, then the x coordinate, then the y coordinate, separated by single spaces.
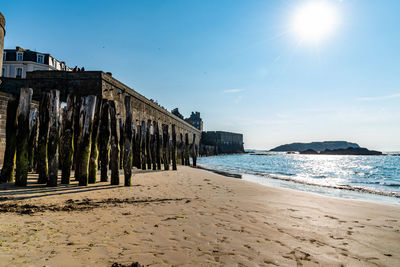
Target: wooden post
pixel 33 125
pixel 173 148
pixel 94 150
pixel 42 163
pixel 52 146
pixel 143 145
pixel 7 172
pixel 178 150
pixel 148 145
pixel 67 138
pixel 187 161
pixel 104 140
pixel 153 147
pixel 134 145
pixel 121 141
pixel 114 145
pixel 194 151
pixel 77 111
pixel 138 142
pixel 165 146
pixel 86 125
pixel 128 142
pixel 157 144
pixel 182 149
pixel 22 163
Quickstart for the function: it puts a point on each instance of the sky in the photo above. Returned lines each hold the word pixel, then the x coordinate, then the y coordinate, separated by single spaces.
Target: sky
pixel 238 62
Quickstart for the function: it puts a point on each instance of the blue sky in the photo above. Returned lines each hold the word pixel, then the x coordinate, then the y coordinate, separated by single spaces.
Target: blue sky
pixel 237 62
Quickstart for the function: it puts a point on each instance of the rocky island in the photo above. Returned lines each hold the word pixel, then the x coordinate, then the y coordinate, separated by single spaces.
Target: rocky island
pixel 326 148
pixel 316 146
pixel 347 151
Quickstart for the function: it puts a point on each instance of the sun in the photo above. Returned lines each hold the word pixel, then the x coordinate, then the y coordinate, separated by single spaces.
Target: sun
pixel 315 21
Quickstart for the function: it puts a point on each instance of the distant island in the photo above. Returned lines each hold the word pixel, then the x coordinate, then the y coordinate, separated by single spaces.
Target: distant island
pixel 326 148
pixel 341 151
pixel 316 146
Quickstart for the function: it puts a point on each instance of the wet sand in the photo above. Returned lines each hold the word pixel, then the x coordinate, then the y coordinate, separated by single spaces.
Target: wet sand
pixel 192 217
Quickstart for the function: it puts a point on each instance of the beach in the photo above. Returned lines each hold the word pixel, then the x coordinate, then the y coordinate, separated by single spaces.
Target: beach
pixel 192 217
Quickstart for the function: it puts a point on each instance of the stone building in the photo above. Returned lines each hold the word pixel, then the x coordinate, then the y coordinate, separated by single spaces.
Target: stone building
pixel 17 62
pixel 195 120
pixel 176 112
pixel 218 142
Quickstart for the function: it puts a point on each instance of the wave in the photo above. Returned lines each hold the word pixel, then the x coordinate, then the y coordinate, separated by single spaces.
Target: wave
pixel 291 179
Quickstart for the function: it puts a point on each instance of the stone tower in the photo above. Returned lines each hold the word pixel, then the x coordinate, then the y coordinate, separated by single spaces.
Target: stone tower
pixel 2 33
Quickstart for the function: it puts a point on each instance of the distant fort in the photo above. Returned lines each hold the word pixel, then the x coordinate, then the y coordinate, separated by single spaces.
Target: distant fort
pixel 213 142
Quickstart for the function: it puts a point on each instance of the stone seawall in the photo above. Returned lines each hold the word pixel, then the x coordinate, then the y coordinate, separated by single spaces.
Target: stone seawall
pixel 218 142
pixel 4 97
pixel 2 33
pixel 104 86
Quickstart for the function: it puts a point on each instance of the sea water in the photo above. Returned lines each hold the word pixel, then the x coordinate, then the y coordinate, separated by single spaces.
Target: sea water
pixel 375 178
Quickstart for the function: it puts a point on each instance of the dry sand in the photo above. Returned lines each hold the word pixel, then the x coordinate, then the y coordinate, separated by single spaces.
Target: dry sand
pixel 192 217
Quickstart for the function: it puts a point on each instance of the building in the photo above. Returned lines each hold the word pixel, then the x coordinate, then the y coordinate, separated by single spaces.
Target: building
pixel 195 120
pixel 218 142
pixel 17 62
pixel 176 112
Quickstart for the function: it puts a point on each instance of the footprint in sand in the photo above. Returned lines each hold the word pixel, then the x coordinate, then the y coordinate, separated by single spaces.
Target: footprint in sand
pixel 318 243
pixel 293 210
pixel 331 217
pixel 338 238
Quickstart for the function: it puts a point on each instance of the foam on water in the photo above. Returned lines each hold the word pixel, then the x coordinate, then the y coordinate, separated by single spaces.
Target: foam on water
pixel 360 177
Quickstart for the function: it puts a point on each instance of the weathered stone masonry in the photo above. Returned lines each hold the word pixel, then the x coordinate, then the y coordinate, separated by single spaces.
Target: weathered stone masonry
pixel 147 118
pixel 102 85
pixel 218 142
pixel 2 33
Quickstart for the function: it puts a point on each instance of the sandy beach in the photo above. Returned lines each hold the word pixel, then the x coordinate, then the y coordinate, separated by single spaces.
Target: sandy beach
pixel 192 217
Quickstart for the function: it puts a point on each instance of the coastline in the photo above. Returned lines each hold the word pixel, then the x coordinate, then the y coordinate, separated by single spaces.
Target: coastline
pixel 281 181
pixel 192 217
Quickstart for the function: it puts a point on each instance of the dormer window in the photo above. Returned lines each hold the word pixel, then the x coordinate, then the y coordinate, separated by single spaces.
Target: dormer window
pixel 20 56
pixel 54 63
pixel 40 58
pixel 19 73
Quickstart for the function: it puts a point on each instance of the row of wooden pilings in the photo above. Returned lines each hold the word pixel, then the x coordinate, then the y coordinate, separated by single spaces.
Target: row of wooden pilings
pixel 85 135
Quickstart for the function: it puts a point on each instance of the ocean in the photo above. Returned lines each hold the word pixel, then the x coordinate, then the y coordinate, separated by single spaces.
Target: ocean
pixel 372 178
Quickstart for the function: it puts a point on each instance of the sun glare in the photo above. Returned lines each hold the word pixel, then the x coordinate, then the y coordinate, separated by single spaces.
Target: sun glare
pixel 315 21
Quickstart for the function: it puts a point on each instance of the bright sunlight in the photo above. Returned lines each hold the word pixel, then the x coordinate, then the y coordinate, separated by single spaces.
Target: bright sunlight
pixel 314 21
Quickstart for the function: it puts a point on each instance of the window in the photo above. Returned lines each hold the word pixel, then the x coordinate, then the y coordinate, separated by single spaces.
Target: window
pixel 40 58
pixel 3 72
pixel 20 56
pixel 4 56
pixel 19 73
pixel 54 63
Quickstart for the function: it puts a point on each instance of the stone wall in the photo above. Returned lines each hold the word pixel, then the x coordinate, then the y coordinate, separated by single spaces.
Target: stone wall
pixel 218 142
pixel 102 85
pixel 2 33
pixel 4 97
pixel 3 116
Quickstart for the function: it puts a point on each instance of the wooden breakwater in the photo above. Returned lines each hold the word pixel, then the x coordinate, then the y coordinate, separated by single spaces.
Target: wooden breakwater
pixel 88 121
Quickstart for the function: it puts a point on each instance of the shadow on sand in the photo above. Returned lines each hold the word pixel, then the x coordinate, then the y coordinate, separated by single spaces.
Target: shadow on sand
pixel 8 191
